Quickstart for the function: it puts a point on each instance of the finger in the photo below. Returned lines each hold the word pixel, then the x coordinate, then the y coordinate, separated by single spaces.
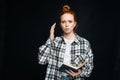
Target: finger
pixel 54 24
pixel 52 31
pixel 75 73
pixel 53 27
pixel 69 72
pixel 79 71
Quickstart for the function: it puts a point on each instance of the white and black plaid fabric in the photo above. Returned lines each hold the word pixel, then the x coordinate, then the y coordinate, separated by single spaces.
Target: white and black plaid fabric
pixel 52 52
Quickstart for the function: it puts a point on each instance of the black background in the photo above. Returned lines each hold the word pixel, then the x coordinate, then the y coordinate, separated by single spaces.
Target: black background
pixel 25 24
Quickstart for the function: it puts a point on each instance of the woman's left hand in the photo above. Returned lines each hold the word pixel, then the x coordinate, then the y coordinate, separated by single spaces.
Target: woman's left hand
pixel 73 73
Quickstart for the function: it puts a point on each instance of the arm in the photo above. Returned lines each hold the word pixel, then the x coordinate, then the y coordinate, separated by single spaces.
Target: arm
pixel 87 69
pixel 44 50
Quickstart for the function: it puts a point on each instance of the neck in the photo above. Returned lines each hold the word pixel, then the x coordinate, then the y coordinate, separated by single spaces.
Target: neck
pixel 69 36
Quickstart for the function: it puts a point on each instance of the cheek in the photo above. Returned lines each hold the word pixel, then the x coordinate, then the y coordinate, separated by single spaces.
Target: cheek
pixel 61 25
pixel 74 25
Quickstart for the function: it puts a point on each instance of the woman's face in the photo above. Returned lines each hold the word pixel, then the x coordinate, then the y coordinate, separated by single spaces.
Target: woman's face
pixel 67 23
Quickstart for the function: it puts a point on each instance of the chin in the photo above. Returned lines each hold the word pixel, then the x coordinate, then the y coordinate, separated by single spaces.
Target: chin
pixel 67 32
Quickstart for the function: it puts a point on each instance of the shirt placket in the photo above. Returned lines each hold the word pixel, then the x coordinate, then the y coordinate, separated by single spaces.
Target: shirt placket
pixel 73 55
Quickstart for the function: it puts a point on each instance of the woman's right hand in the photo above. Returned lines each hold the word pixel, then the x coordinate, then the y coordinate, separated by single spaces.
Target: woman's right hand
pixel 52 30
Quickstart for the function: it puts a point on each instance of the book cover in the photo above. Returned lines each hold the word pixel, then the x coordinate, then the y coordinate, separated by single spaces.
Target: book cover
pixel 65 67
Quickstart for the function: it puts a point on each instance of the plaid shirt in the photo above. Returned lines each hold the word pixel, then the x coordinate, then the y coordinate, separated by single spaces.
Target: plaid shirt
pixel 52 52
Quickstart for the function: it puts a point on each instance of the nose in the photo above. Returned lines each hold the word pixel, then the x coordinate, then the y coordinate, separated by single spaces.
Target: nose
pixel 66 24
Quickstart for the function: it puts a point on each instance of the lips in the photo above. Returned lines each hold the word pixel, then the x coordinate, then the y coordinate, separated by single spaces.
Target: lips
pixel 66 29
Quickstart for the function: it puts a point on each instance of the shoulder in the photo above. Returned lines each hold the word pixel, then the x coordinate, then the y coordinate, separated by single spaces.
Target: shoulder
pixel 58 40
pixel 82 40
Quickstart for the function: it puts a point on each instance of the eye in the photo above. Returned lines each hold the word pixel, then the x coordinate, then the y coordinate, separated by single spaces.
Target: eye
pixel 62 21
pixel 70 21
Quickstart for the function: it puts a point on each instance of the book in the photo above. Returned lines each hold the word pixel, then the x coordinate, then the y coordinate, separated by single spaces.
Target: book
pixel 66 66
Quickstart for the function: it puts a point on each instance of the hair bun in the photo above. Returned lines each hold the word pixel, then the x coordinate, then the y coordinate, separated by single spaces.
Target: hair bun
pixel 66 8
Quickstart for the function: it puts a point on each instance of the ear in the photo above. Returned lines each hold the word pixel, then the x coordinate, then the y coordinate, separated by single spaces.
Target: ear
pixel 75 23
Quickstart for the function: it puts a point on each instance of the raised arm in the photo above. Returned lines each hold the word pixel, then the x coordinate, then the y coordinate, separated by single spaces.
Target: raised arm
pixel 44 50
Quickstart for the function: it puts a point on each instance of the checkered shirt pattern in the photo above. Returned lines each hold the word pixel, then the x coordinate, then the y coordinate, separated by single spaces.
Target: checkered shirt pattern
pixel 52 53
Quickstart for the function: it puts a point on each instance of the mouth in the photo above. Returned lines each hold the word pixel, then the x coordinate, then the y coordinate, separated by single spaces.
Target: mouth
pixel 66 29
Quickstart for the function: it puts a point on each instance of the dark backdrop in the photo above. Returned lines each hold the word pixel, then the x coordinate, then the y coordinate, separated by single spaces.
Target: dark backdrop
pixel 25 24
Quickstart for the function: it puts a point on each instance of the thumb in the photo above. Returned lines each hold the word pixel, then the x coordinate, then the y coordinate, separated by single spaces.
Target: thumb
pixel 52 31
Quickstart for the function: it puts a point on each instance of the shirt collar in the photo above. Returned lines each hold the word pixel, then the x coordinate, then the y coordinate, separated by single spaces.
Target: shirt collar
pixel 76 40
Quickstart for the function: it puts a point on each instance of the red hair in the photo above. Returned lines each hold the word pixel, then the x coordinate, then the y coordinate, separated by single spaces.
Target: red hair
pixel 66 9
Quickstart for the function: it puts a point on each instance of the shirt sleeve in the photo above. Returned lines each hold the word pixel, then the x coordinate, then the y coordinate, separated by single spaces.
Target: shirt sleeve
pixel 87 68
pixel 44 52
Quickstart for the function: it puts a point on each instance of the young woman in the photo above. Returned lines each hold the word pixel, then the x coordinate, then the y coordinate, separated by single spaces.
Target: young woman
pixel 68 48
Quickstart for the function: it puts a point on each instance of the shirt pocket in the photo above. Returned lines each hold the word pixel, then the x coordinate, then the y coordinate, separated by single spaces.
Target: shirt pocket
pixel 79 58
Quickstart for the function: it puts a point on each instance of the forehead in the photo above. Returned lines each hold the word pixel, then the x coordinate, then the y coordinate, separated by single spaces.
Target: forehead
pixel 67 16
